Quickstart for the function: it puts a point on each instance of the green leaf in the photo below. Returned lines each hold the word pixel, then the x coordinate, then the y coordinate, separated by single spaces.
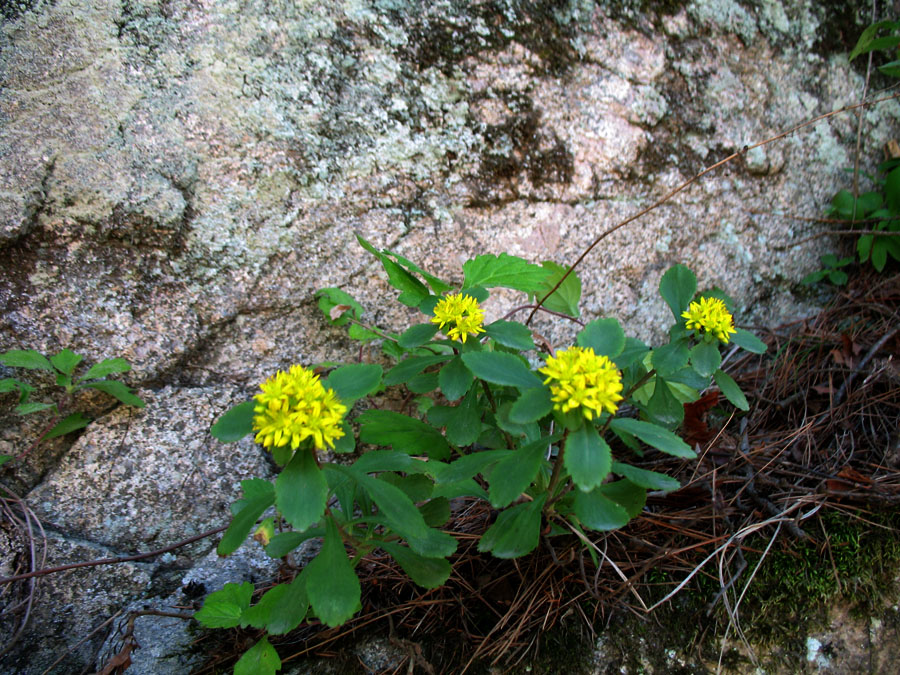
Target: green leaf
pixel 423 383
pixel 654 435
pixel 260 659
pixel 651 480
pixel 25 358
pixel 531 406
pixel 634 351
pixel 455 379
pixel 463 421
pixel 383 427
pixel 813 277
pixel 106 367
pixel 663 406
pixel 223 608
pixel 69 424
pixel 604 336
pixel 505 270
pixel 11 384
pixel 4 459
pixel 259 495
pixel 837 277
pixel 462 488
pixel 347 442
pixel 747 340
pixel 401 515
pixel 281 609
pixel 516 530
pixel 426 572
pixel 437 285
pixel 66 361
pixel 285 542
pixel 867 39
pixel 587 457
pixel 891 69
pixel 417 487
pixel 879 253
pixel 598 512
pixel 670 357
pixel 331 584
pixel 705 358
pixel 301 491
pixel 412 291
pixel 626 494
pixel 864 246
pixel 731 390
pixel 417 335
pixel 375 461
pixel 566 298
pixel 28 408
pixel 117 390
pixel 677 287
pixel 234 424
pixel 357 332
pixel 511 334
pixel 411 367
pixel 511 476
pixel 354 381
pixel 468 466
pixel 501 368
pixel 338 306
pixel 436 511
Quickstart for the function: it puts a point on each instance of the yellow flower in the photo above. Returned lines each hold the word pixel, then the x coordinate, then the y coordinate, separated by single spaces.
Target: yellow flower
pixel 462 312
pixel 710 315
pixel 579 378
pixel 295 406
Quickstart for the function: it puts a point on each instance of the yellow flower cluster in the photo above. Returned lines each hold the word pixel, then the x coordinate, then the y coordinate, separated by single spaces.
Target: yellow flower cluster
pixel 295 406
pixel 710 315
pixel 462 312
pixel 579 378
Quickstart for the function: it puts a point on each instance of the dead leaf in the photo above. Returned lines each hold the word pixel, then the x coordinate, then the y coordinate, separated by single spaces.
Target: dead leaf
pixel 337 311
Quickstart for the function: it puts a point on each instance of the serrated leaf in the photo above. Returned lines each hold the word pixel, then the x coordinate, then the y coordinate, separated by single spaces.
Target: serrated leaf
pixel 677 288
pixel 384 427
pixel 501 368
pixel 463 421
pixel 301 491
pixel 531 406
pixel 259 495
pixel 634 350
pixel 437 285
pixel 260 659
pixel 412 291
pixel 223 608
pixel 426 572
pixel 651 480
pixel 436 511
pixel 604 336
pixel 117 390
pixel 654 435
pixel 418 335
pixel 511 334
pixel 285 542
pixel 505 270
pixel 354 381
pixel 331 584
pixel 598 512
pixel 106 367
pixel 705 358
pixel 516 531
pixel 731 390
pixel 664 407
pixel 455 379
pixel 412 366
pixel 67 425
pixel 511 476
pixel 65 361
pixel 587 457
pixel 25 358
pixel 330 299
pixel 235 423
pixel 565 299
pixel 747 340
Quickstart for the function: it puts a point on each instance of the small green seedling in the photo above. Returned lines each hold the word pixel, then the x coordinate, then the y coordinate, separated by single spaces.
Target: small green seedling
pixel 830 270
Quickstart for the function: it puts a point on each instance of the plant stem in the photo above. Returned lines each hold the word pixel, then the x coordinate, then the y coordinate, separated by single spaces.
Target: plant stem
pixel 490 397
pixel 557 469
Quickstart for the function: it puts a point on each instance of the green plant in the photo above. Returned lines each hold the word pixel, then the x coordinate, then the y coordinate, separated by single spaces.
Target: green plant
pixel 877 210
pixel 494 422
pixel 63 366
pixel 831 269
